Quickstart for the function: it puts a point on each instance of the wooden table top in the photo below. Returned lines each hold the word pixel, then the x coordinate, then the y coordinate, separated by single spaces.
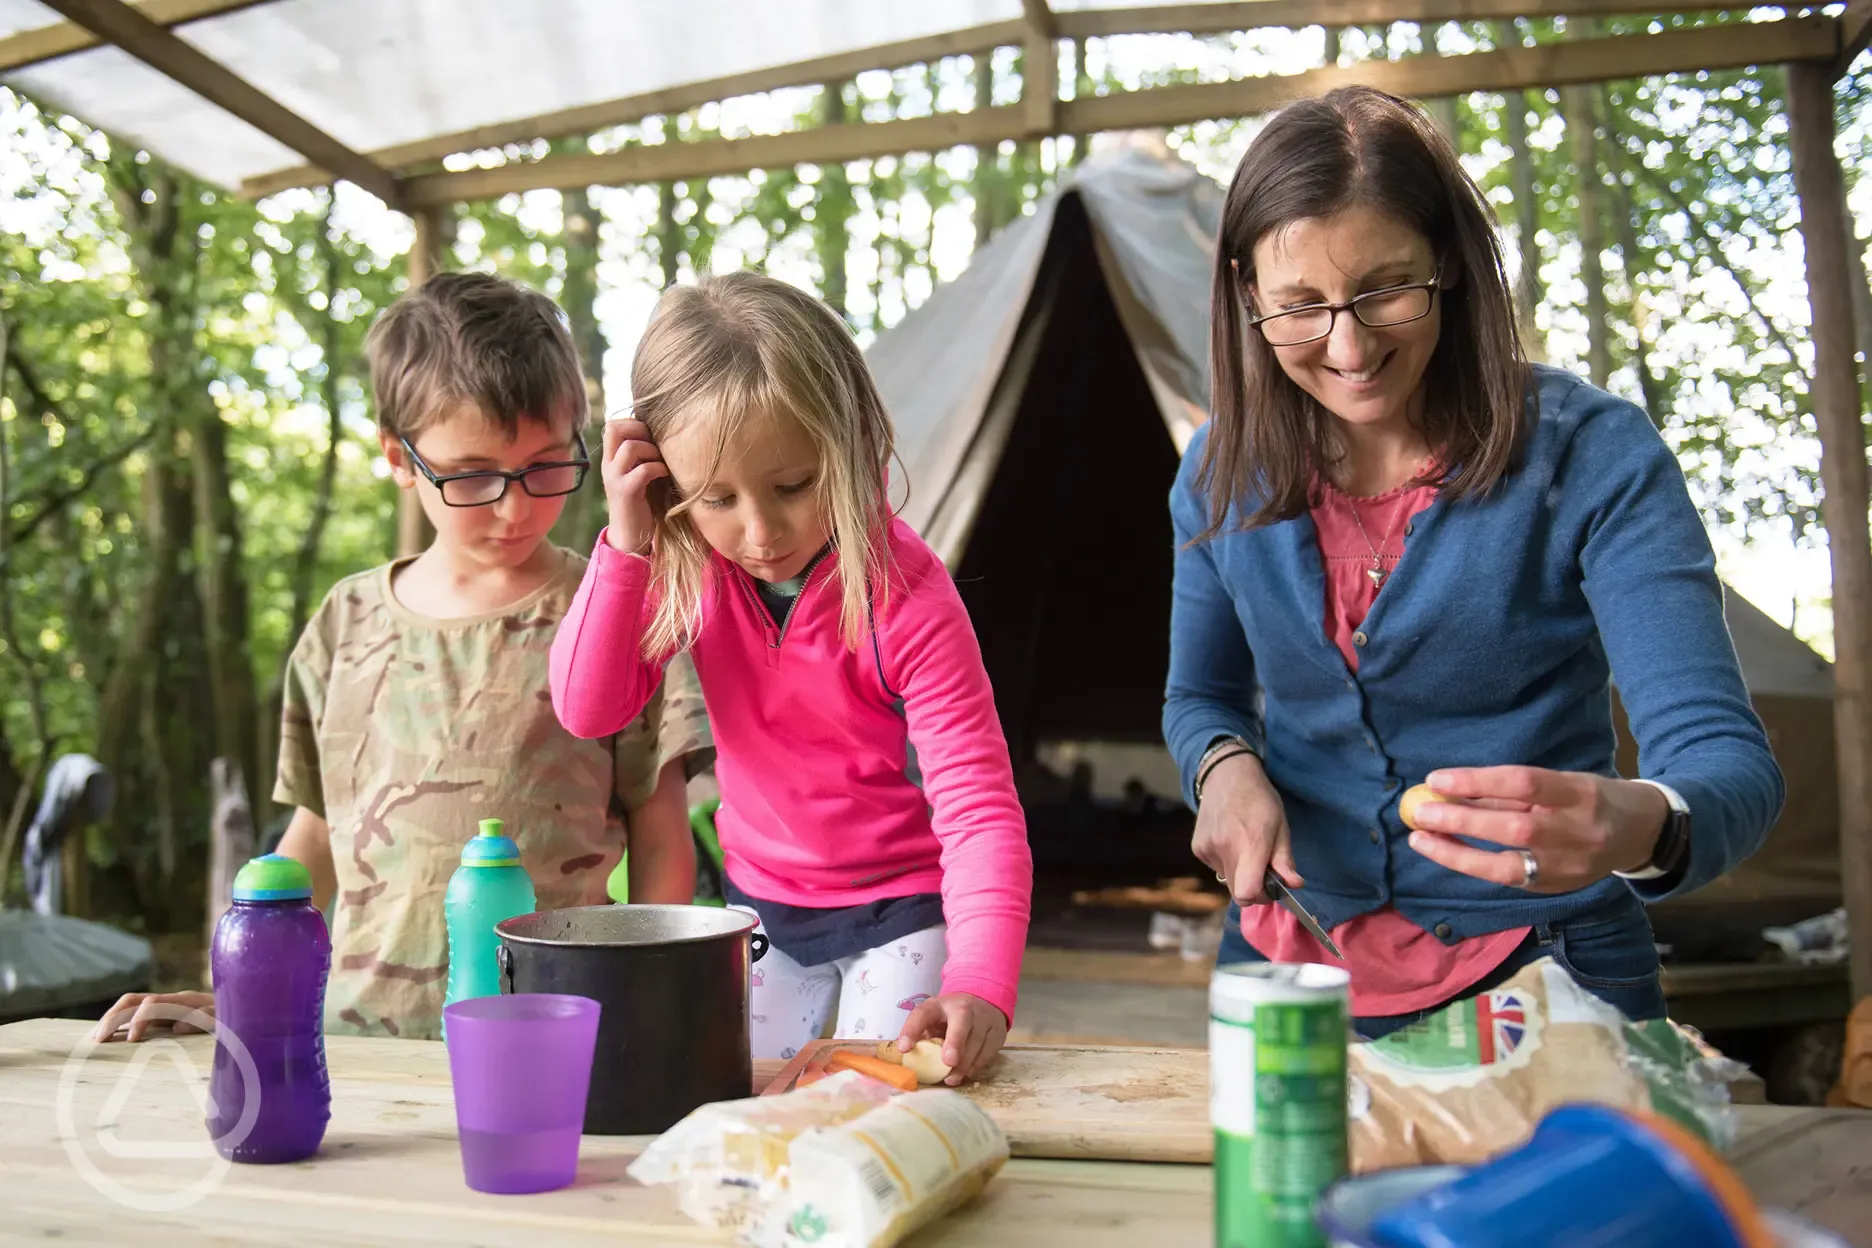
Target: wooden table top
pixel 81 1161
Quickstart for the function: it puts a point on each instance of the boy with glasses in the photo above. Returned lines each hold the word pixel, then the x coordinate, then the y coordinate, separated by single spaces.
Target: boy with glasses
pixel 417 698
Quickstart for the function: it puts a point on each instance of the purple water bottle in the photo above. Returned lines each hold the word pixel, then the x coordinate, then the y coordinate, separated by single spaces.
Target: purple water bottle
pixel 269 1096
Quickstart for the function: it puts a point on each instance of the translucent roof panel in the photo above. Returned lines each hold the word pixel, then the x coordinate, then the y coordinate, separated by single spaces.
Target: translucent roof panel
pixel 379 73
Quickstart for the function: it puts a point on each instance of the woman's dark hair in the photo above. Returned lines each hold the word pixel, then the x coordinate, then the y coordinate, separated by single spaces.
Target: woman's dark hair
pixel 1358 146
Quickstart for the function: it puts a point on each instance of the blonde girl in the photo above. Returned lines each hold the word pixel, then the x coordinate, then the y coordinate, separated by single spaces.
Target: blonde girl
pixel 868 811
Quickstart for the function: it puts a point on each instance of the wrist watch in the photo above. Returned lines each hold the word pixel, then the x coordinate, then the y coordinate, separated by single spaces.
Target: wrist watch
pixel 1673 843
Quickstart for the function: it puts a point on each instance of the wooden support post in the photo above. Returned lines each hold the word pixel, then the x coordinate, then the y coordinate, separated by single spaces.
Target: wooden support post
pixel 414 532
pixel 1837 414
pixel 1040 76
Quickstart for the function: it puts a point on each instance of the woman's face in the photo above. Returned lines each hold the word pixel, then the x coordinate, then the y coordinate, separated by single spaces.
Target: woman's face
pixel 1362 375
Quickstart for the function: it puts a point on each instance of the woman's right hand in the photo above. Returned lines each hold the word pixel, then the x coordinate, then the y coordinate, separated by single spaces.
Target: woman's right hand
pixel 1241 828
pixel 631 463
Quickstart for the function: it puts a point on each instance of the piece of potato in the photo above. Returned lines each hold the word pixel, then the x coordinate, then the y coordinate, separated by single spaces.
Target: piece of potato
pixel 1414 797
pixel 924 1060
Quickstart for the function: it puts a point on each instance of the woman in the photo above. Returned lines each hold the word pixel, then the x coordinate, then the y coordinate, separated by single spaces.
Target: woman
pixel 1405 554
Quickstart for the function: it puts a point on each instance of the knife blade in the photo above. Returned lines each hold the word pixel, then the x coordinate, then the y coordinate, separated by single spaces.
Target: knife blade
pixel 1277 890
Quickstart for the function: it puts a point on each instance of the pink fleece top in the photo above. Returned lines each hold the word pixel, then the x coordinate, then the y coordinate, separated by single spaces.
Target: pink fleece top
pixel 818 807
pixel 1397 967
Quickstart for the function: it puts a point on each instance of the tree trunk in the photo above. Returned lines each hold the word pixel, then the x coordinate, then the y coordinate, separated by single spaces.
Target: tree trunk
pixel 987 160
pixel 1082 89
pixel 833 211
pixel 668 233
pixel 1862 307
pixel 584 513
pixel 186 662
pixel 1525 195
pixel 1624 217
pixel 1577 107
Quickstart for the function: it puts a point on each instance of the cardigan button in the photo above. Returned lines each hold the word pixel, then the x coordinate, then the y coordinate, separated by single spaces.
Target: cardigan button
pixel 1377 837
pixel 1359 638
pixel 1443 931
pixel 1410 526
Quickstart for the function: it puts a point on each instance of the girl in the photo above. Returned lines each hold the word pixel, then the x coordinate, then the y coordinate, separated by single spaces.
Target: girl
pixel 868 813
pixel 1403 553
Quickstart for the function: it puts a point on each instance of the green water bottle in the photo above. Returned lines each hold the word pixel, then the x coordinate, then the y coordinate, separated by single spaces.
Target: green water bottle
pixel 489 887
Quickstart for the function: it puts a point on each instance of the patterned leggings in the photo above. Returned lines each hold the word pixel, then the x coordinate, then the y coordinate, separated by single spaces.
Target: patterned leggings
pixel 873 991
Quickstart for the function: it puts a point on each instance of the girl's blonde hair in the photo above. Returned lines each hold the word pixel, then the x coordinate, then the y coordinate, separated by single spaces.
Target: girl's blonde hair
pixel 743 345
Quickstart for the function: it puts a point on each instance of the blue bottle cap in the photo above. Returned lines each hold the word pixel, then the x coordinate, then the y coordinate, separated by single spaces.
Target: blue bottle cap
pixel 491 848
pixel 273 877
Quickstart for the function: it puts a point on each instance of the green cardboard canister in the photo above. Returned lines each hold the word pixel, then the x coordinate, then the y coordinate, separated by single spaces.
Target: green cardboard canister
pixel 1277 1098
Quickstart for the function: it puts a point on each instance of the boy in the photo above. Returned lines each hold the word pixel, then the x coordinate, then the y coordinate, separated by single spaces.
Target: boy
pixel 417 698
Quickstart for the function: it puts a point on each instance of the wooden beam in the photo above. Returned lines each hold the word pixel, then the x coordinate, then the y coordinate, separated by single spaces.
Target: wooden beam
pixel 677 161
pixel 160 50
pixel 591 117
pixel 1040 77
pixel 1217 18
pixel 1506 69
pixel 1855 34
pixel 45 43
pixel 1827 236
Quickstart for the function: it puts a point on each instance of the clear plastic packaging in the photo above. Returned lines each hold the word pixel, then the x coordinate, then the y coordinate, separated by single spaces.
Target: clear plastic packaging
pixel 840 1163
pixel 1473 1079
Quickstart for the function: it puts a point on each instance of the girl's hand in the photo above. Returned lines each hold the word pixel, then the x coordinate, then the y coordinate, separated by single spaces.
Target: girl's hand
pixel 631 462
pixel 1578 828
pixel 972 1032
pixel 136 1012
pixel 1241 829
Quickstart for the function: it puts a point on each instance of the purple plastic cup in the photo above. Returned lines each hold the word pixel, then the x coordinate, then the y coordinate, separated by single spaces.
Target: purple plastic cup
pixel 521 1066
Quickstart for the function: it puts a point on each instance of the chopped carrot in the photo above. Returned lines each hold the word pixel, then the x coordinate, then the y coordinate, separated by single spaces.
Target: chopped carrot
pixel 865 1064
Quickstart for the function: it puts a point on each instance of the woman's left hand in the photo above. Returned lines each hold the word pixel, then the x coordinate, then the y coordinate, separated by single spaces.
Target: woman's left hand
pixel 1578 828
pixel 972 1032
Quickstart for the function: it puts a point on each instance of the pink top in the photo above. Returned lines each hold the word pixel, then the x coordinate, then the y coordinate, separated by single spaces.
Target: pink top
pixel 812 740
pixel 1397 967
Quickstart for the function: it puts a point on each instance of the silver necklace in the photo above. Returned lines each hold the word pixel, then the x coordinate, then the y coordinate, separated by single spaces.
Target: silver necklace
pixel 1376 572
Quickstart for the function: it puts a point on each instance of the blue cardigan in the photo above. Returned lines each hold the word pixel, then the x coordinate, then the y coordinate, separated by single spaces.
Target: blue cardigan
pixel 1494 641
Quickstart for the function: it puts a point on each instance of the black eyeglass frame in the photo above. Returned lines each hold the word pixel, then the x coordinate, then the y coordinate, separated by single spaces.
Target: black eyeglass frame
pixel 1434 285
pixel 582 463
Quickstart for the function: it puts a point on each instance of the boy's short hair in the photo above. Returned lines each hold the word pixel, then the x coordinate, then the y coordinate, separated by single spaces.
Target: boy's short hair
pixel 472 338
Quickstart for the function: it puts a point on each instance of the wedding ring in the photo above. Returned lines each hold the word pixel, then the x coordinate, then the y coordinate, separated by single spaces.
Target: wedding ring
pixel 1530 869
pixel 1222 879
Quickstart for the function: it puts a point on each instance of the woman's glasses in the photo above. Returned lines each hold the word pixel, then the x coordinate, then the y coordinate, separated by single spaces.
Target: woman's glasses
pixel 478 489
pixel 1375 309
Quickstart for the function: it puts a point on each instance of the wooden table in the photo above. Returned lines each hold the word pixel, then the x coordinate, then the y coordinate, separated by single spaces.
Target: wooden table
pixel 390 1172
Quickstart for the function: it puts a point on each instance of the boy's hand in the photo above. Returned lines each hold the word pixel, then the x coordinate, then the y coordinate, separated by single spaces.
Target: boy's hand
pixel 137 1012
pixel 631 463
pixel 972 1032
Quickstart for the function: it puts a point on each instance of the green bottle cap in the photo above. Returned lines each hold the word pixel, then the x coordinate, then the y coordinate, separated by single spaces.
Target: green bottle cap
pixel 491 849
pixel 273 877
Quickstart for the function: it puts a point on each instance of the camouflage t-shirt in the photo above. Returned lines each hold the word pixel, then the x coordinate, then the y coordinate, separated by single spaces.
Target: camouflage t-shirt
pixel 403 731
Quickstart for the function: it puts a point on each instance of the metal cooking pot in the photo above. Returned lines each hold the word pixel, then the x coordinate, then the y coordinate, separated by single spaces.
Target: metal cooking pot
pixel 672 982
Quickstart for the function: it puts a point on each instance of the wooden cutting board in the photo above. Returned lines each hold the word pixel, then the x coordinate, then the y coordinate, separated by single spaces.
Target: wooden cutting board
pixel 1114 1104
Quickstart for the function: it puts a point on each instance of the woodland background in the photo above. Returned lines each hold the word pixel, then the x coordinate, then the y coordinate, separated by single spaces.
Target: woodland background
pixel 187 449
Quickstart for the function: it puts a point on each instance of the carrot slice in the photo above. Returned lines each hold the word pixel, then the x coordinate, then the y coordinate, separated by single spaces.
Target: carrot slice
pixel 865 1064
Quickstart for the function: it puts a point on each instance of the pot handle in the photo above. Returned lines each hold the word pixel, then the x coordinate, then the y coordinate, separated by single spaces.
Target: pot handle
pixel 756 941
pixel 503 956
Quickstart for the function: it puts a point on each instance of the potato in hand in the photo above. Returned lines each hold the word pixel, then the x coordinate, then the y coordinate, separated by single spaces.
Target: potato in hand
pixel 924 1060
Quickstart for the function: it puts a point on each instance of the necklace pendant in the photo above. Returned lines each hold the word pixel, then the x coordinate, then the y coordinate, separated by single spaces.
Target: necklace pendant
pixel 1377 576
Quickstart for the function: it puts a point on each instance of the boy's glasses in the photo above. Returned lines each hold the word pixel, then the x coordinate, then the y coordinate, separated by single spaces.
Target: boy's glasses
pixel 478 489
pixel 1375 309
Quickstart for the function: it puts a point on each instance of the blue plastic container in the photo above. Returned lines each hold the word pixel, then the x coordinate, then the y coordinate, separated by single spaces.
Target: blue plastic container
pixel 1591 1177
